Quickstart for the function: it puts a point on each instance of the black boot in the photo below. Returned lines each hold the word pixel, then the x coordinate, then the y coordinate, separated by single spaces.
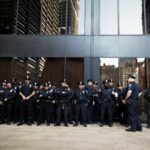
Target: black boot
pixel 130 130
pixel 85 125
pixel 19 123
pixel 75 125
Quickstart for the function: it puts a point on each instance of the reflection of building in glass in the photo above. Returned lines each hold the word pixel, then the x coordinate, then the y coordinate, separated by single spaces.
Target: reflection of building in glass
pixel 132 66
pixel 50 17
pixel 109 72
pixel 20 17
pixel 68 16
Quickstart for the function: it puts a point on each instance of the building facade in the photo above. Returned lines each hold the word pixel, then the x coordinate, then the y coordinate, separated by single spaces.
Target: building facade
pixel 68 16
pixel 50 17
pixel 20 17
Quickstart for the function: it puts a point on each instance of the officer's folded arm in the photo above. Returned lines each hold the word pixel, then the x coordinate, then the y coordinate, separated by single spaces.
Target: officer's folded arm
pixel 32 94
pixel 127 96
pixel 23 97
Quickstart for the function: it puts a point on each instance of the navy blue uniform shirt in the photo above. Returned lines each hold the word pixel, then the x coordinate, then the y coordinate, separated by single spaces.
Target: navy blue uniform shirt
pixel 27 90
pixel 134 87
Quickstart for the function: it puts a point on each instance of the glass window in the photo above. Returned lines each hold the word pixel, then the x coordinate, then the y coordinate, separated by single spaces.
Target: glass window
pixel 108 17
pixel 131 17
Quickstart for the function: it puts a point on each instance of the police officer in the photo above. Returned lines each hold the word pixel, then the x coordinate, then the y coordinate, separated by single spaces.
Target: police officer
pixel 132 99
pixel 15 101
pixel 36 101
pixel 54 105
pixel 147 97
pixel 1 101
pixel 81 100
pixel 106 104
pixel 90 106
pixel 70 104
pixel 62 103
pixel 114 98
pixel 8 96
pixel 26 92
pixel 96 96
pixel 119 104
pixel 46 99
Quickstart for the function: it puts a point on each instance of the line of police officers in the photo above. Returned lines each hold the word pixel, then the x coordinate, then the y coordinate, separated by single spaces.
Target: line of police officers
pixel 50 103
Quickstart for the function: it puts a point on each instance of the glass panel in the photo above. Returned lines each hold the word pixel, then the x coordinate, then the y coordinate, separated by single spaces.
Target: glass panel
pixel 108 17
pixel 46 17
pixel 71 16
pixel 131 17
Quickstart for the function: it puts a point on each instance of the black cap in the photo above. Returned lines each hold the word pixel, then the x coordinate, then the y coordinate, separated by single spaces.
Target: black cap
pixel 35 84
pixel 95 83
pixel 49 82
pixel 8 81
pixel 27 78
pixel 105 81
pixel 62 81
pixel 5 81
pixel 14 79
pixel 89 80
pixel 80 83
pixel 119 84
pixel 20 83
pixel 132 76
pixel 41 84
pixel 110 80
pixel 45 85
pixel 54 83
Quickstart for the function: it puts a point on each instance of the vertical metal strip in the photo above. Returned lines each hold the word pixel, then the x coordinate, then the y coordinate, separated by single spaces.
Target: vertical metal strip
pixel 118 25
pixel 145 32
pixel 66 32
pixel 84 17
pixel 16 23
pixel 145 17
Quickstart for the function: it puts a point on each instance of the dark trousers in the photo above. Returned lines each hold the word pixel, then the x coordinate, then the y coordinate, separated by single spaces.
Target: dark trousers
pixel 26 109
pixel 62 108
pixel 148 113
pixel 90 108
pixel 70 113
pixel 133 112
pixel 36 110
pixel 80 108
pixel 96 112
pixel 44 112
pixel 123 114
pixel 106 109
pixel 15 110
pixel 1 112
pixel 6 111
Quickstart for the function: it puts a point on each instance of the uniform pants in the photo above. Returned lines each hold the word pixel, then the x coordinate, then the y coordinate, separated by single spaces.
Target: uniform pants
pixel 133 112
pixel 106 109
pixel 45 112
pixel 62 108
pixel 80 108
pixel 26 108
pixel 148 113
pixel 6 111
pixel 90 108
